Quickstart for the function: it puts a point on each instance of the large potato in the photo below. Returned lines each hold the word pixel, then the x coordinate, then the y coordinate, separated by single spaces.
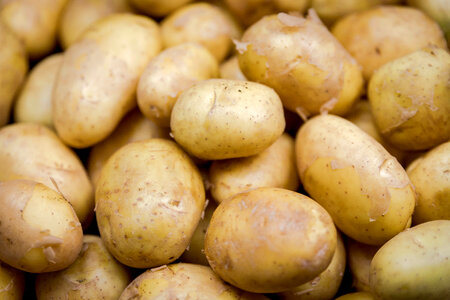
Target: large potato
pixel 12 283
pixel 158 8
pixel 97 81
pixel 149 200
pixel 220 118
pixel 301 60
pixel 359 258
pixel 39 230
pixel 414 264
pixel 32 151
pixel 410 99
pixel 269 240
pixel 95 274
pixel 362 186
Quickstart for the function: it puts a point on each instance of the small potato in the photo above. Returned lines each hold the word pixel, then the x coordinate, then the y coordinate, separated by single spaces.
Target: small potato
pixel 204 23
pixel 95 274
pixel 274 167
pixel 39 230
pixel 430 175
pixel 362 186
pixel 269 240
pixel 12 283
pixel 34 103
pixel 157 8
pixel 357 296
pixel 410 99
pixel 359 257
pixel 97 81
pixel 230 69
pixel 222 118
pixel 149 200
pixel 169 74
pixel 414 265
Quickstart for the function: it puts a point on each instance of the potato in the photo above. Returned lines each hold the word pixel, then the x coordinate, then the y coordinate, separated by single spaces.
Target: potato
pixel 229 69
pixel 39 230
pixel 388 32
pixel 410 102
pixel 78 15
pixel 357 296
pixel 438 10
pixel 134 127
pixel 222 118
pixel 34 152
pixel 430 176
pixel 12 283
pixel 97 81
pixel 34 103
pixel 274 167
pixel 158 8
pixel 183 281
pixel 362 186
pixel 414 264
pixel 269 240
pixel 149 201
pixel 169 74
pixel 359 257
pixel 95 274
pixel 324 286
pixel 302 62
pixel 13 67
pixel 204 23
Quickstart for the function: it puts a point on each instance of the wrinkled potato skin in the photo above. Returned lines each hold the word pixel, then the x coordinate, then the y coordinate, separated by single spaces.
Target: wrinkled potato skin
pixel 382 34
pixel 97 81
pixel 269 240
pixel 362 186
pixel 438 10
pixel 359 257
pixel 414 264
pixel 222 118
pixel 430 176
pixel 12 283
pixel 95 274
pixel 40 231
pixel 149 201
pixel 230 69
pixel 34 152
pixel 158 8
pixel 301 60
pixel 274 167
pixel 410 102
pixel 169 74
pixel 34 103
pixel 357 296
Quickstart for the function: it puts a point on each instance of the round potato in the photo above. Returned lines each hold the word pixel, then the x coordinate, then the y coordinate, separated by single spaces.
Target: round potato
pixel 39 230
pixel 95 274
pixel 149 200
pixel 169 74
pixel 158 8
pixel 359 257
pixel 414 264
pixel 362 186
pixel 12 283
pixel 269 240
pixel 302 62
pixel 223 118
pixel 357 296
pixel 230 69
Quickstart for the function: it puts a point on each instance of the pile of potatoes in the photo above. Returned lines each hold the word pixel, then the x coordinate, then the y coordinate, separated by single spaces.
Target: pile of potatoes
pixel 236 149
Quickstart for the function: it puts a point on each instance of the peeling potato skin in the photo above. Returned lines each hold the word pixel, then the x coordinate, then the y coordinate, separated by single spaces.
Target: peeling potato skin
pixel 362 186
pixel 149 200
pixel 12 283
pixel 269 240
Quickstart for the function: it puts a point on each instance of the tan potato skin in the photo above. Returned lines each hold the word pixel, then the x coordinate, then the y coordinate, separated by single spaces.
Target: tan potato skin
pixel 230 69
pixel 95 274
pixel 438 10
pixel 12 283
pixel 149 201
pixel 359 257
pixel 274 167
pixel 357 296
pixel 97 81
pixel 269 240
pixel 158 8
pixel 40 231
pixel 32 151
pixel 362 186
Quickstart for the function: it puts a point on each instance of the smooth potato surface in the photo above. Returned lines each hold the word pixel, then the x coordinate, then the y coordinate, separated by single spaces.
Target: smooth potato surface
pixel 12 283
pixel 359 257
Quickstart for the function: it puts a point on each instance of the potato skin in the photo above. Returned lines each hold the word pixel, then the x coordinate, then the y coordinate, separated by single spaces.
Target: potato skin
pixel 149 201
pixel 414 264
pixel 12 283
pixel 269 240
pixel 40 231
pixel 97 81
pixel 230 69
pixel 438 10
pixel 158 8
pixel 357 296
pixel 362 186
pixel 359 257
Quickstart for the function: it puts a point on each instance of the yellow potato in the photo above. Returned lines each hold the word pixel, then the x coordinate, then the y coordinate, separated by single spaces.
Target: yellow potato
pixel 362 186
pixel 169 74
pixel 149 201
pixel 97 81
pixel 359 258
pixel 269 240
pixel 301 60
pixel 357 296
pixel 158 8
pixel 438 10
pixel 414 264
pixel 230 69
pixel 39 230
pixel 12 283
pixel 223 118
